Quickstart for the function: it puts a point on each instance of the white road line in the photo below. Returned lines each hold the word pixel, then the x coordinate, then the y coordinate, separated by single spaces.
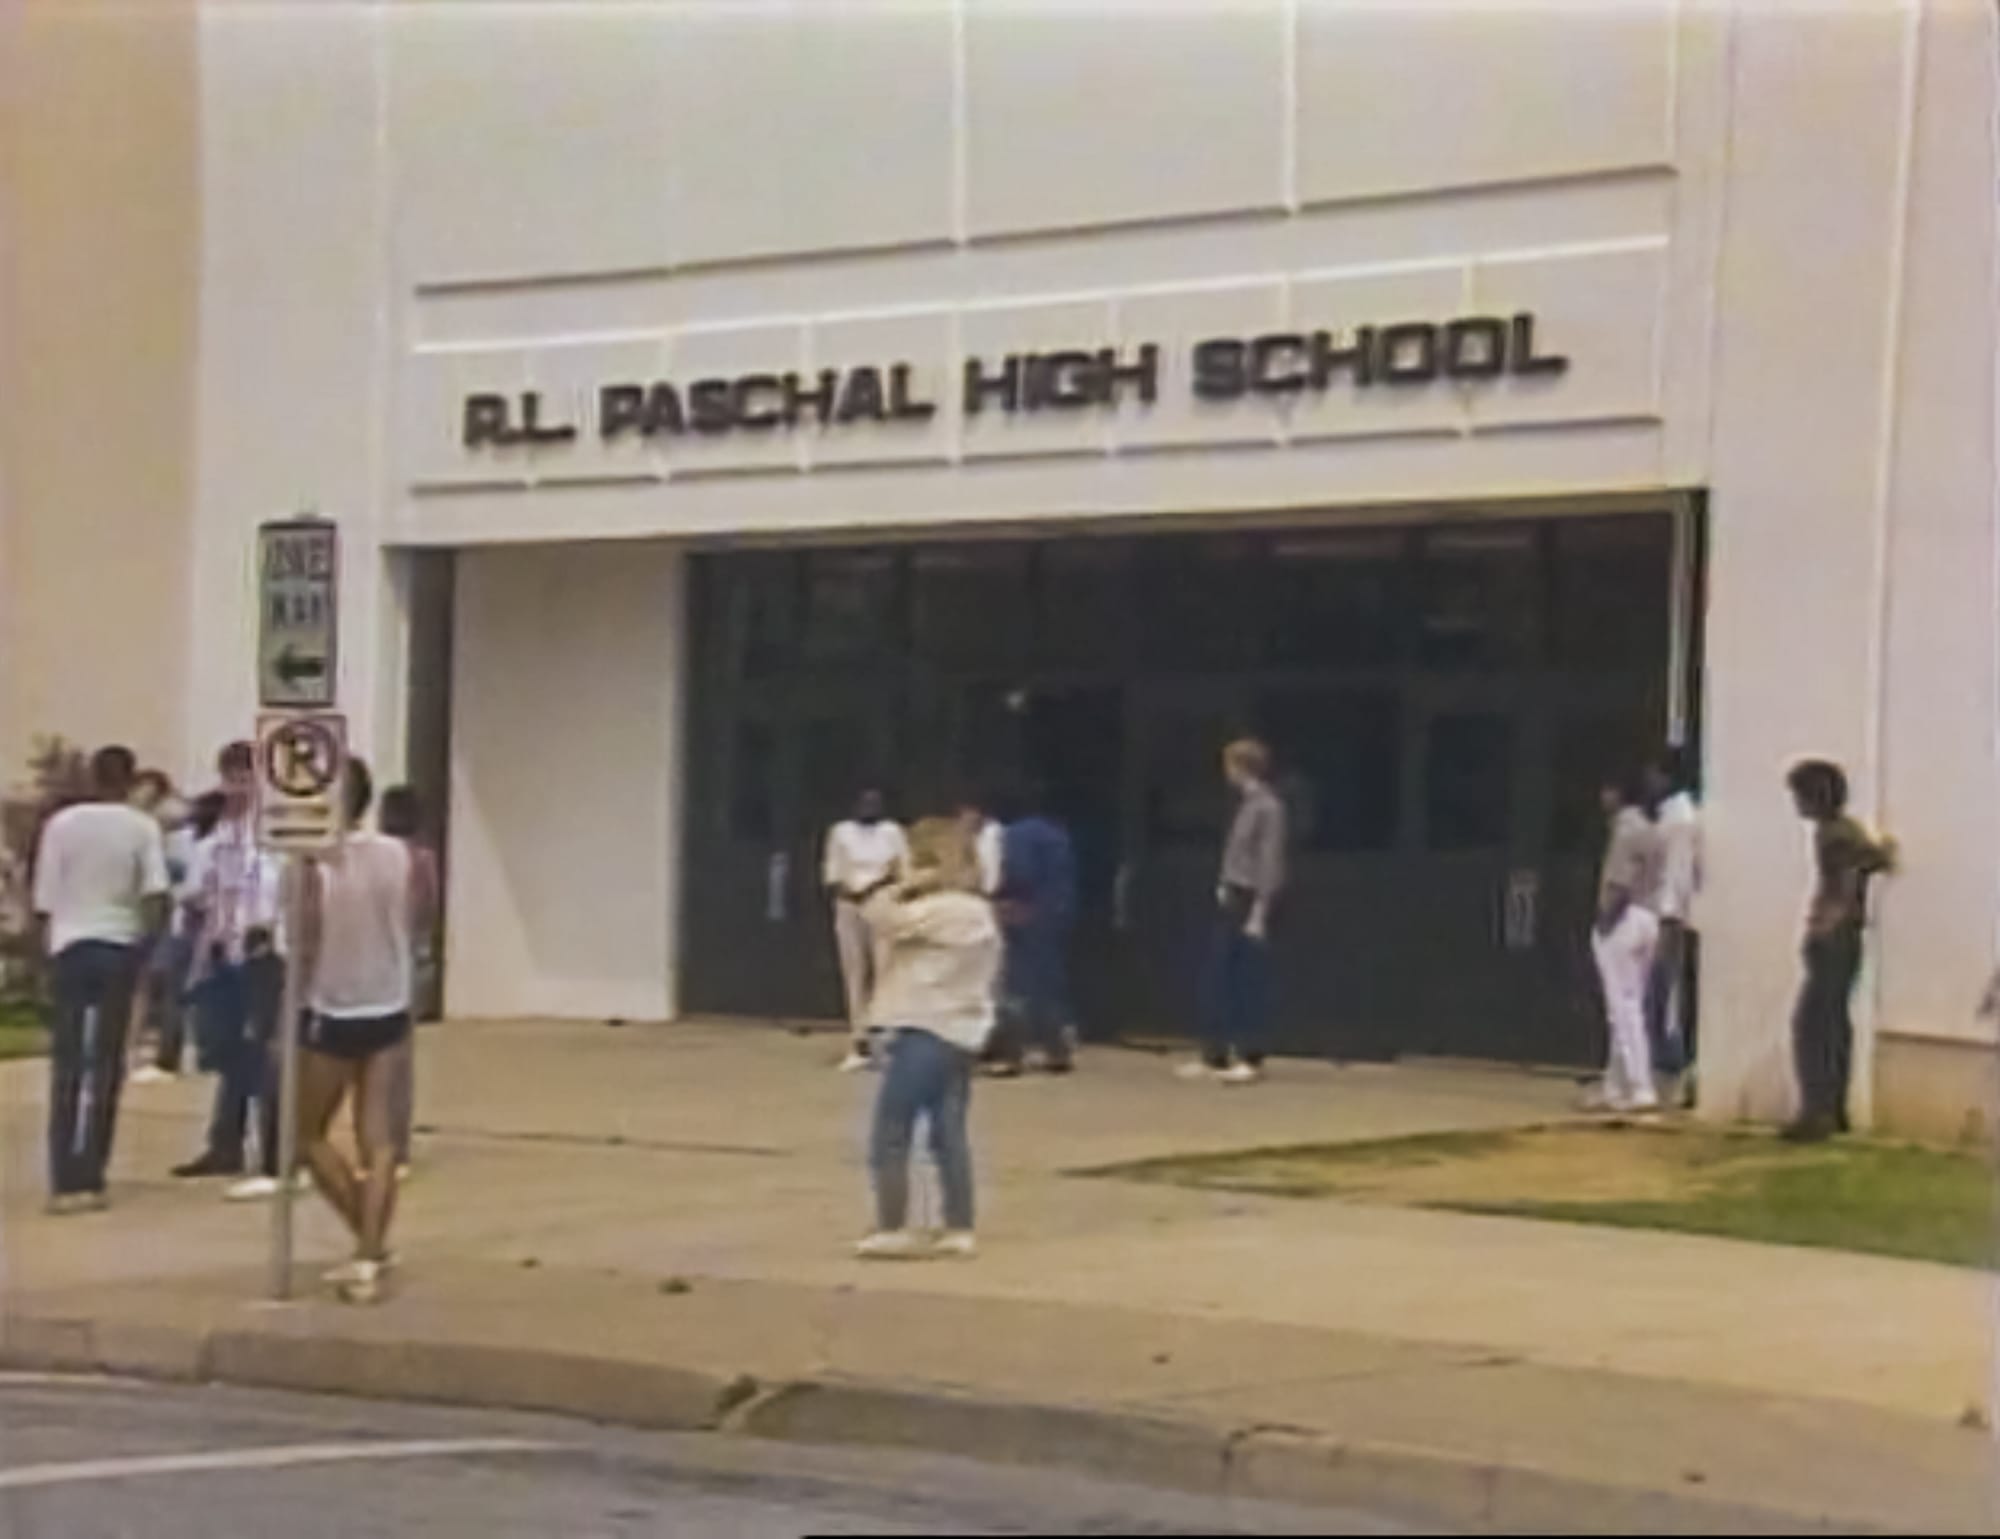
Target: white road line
pixel 282 1457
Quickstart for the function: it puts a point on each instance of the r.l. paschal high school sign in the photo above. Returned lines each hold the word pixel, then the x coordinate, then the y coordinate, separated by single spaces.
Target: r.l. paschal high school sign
pixel 1223 369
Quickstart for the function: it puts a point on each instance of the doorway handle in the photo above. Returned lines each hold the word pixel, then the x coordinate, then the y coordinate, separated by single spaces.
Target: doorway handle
pixel 1521 909
pixel 1121 897
pixel 778 887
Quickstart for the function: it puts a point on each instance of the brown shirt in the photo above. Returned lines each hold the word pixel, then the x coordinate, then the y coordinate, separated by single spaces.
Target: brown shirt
pixel 1844 858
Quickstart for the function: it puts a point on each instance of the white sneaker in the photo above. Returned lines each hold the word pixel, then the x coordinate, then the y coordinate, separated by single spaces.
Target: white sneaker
pixel 956 1245
pixel 365 1285
pixel 153 1074
pixel 856 1061
pixel 1197 1070
pixel 892 1245
pixel 356 1269
pixel 1241 1074
pixel 257 1188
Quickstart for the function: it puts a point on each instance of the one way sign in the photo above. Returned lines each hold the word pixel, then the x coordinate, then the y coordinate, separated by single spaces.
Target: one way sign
pixel 298 595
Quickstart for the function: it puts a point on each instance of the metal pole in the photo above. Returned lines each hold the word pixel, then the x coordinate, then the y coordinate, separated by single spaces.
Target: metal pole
pixel 297 873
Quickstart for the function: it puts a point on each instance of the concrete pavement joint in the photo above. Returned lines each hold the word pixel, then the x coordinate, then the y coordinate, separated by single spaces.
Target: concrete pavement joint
pixel 1254 1459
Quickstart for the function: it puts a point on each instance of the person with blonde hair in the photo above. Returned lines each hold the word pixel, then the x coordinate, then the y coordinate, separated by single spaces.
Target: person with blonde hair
pixel 1236 989
pixel 933 1005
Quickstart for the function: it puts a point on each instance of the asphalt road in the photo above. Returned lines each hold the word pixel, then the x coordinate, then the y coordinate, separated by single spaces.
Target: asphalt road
pixel 95 1458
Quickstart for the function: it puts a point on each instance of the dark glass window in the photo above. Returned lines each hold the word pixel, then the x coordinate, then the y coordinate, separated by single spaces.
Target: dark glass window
pixel 836 764
pixel 1186 796
pixel 1340 757
pixel 1084 614
pixel 1204 602
pixel 753 784
pixel 971 604
pixel 1479 597
pixel 1468 781
pixel 759 610
pixel 1342 599
pixel 1611 605
pixel 850 606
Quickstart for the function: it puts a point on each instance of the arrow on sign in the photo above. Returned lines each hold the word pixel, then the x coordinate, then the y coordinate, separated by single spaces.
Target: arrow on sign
pixel 292 667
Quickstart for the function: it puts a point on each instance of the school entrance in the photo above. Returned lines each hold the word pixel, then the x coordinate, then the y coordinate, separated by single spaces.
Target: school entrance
pixel 1442 700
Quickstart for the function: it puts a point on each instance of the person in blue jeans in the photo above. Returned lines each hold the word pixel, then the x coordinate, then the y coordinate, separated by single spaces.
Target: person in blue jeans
pixel 1236 983
pixel 239 984
pixel 933 1003
pixel 1037 910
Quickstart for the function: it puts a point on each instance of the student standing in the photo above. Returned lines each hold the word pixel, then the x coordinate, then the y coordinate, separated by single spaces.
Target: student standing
pixel 362 911
pixel 170 1006
pixel 239 979
pixel 1037 911
pixel 987 836
pixel 100 898
pixel 1625 940
pixel 1236 994
pixel 156 1011
pixel 1670 994
pixel 934 1004
pixel 861 853
pixel 1845 857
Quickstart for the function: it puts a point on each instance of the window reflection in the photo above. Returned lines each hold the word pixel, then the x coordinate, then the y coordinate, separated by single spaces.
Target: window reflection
pixel 1340 756
pixel 1468 781
pixel 1478 598
pixel 1341 599
pixel 850 606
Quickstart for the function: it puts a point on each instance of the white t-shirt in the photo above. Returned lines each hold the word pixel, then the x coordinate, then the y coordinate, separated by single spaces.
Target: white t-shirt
pixel 986 845
pixel 859 855
pixel 1680 834
pixel 98 863
pixel 365 946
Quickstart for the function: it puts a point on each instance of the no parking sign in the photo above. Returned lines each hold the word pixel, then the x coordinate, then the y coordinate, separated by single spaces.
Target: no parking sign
pixel 300 757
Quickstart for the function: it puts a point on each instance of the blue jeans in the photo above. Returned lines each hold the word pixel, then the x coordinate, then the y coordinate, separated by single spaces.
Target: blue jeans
pixel 93 982
pixel 1035 994
pixel 239 1007
pixel 926 1077
pixel 1235 995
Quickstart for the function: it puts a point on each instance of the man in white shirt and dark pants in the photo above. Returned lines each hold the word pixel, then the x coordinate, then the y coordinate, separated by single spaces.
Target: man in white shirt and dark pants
pixel 100 901
pixel 861 853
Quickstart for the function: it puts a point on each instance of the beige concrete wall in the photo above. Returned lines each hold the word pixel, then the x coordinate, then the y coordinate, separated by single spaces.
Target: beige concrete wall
pixel 565 776
pixel 100 221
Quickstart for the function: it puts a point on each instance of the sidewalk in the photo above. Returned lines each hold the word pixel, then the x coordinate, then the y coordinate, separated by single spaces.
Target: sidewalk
pixel 1471 1368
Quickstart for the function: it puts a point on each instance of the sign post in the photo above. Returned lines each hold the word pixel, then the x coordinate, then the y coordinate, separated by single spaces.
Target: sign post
pixel 301 759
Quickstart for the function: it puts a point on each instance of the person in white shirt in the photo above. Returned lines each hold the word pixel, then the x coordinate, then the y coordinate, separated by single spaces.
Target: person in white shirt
pixel 986 834
pixel 1623 940
pixel 237 979
pixel 100 900
pixel 156 1015
pixel 934 1001
pixel 861 852
pixel 1670 992
pixel 363 913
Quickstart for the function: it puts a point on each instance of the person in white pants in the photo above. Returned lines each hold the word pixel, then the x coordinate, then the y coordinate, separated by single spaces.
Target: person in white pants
pixel 862 852
pixel 1625 940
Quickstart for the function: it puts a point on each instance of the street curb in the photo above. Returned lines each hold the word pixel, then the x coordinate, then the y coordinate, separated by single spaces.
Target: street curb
pixel 1253 1461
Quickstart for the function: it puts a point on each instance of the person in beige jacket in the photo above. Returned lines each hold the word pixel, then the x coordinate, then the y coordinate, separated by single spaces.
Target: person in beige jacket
pixel 933 1003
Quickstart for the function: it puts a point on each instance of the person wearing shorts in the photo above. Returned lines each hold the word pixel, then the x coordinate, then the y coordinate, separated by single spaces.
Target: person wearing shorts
pixel 357 948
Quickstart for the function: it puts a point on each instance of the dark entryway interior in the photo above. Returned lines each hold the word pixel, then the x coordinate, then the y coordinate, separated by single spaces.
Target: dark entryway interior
pixel 1443 701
